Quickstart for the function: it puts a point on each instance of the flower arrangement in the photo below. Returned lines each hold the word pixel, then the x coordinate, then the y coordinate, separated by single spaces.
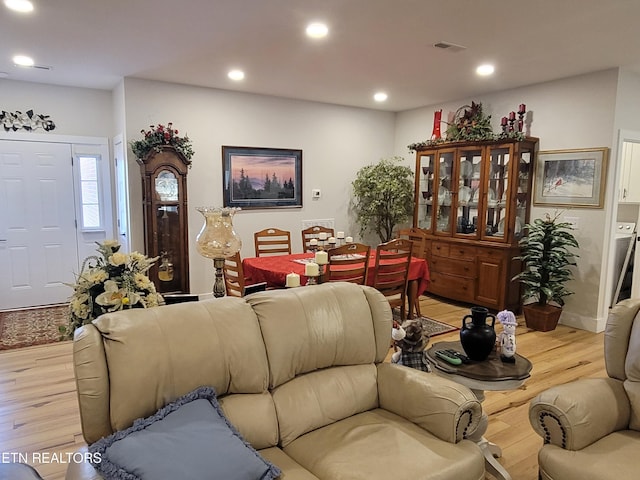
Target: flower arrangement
pixel 112 281
pixel 159 136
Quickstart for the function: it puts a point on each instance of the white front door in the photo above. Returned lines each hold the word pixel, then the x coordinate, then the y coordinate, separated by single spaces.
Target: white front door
pixel 38 248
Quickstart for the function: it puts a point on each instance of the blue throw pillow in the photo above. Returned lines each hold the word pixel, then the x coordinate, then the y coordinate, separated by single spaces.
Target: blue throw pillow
pixel 189 439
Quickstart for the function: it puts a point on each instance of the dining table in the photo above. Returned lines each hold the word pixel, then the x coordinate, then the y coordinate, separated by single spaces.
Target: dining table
pixel 274 270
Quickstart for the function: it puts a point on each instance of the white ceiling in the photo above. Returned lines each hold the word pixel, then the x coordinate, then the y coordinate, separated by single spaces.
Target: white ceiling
pixel 372 45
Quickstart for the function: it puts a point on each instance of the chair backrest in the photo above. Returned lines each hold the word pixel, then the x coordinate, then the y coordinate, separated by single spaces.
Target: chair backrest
pixel 234 276
pixel 419 239
pixel 391 273
pixel 348 263
pixel 272 241
pixel 313 232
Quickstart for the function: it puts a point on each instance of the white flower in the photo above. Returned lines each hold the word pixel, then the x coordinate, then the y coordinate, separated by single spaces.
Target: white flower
pixel 111 244
pixel 97 276
pixel 142 281
pixel 118 259
pixel 115 297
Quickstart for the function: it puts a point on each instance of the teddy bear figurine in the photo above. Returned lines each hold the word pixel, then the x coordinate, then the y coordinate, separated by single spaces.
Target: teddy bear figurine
pixel 508 336
pixel 410 339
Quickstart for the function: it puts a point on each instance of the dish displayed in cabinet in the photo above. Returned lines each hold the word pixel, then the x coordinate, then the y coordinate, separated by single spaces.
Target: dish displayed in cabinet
pixel 466 169
pixel 491 197
pixel 464 196
pixel 444 171
pixel 517 229
pixel 444 196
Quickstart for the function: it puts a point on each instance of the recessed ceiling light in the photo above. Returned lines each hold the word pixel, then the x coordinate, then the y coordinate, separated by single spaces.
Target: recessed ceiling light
pixel 236 75
pixel 485 69
pixel 23 61
pixel 380 97
pixel 317 30
pixel 24 6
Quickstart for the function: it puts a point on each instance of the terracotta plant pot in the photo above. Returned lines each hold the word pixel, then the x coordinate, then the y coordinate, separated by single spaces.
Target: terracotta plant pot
pixel 543 318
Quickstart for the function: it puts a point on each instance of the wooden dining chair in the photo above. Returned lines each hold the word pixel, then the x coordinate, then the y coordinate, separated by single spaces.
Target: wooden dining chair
pixel 272 241
pixel 312 232
pixel 348 263
pixel 235 282
pixel 391 275
pixel 419 239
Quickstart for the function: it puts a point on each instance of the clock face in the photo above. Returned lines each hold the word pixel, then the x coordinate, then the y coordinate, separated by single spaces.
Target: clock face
pixel 167 186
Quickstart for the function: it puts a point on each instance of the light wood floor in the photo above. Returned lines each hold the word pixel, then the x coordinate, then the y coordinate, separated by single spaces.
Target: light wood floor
pixel 39 412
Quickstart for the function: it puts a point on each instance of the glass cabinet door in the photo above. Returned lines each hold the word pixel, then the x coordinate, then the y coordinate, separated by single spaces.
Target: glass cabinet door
pixel 467 200
pixel 497 194
pixel 525 169
pixel 443 183
pixel 425 191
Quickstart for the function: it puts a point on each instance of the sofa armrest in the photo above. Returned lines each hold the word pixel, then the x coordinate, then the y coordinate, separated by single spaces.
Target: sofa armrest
pixel 574 415
pixel 441 406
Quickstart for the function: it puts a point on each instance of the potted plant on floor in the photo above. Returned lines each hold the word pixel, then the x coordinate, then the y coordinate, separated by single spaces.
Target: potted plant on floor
pixel 383 197
pixel 547 261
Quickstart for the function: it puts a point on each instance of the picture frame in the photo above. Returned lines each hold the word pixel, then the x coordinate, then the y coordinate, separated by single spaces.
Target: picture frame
pixel 255 178
pixel 571 178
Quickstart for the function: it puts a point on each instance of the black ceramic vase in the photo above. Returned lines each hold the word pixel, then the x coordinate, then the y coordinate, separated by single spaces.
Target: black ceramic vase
pixel 477 337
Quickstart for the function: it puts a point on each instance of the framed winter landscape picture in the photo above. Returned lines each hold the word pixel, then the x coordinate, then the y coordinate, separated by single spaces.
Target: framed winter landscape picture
pixel 571 178
pixel 261 177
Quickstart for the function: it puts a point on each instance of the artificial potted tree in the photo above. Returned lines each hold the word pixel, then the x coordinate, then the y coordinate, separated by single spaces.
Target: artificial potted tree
pixel 547 260
pixel 383 197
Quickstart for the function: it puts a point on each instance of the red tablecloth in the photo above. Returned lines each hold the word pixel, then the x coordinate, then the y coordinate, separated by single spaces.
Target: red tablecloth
pixel 274 270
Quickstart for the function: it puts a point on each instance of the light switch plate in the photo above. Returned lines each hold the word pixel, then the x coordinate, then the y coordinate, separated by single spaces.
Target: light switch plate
pixel 315 193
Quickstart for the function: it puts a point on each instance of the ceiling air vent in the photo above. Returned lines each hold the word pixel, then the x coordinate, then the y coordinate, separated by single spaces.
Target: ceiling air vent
pixel 452 47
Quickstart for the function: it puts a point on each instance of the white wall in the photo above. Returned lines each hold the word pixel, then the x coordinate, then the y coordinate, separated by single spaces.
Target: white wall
pixel 336 141
pixel 75 111
pixel 577 112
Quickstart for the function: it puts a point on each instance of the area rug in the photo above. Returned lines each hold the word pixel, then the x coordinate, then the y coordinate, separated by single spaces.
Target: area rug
pixel 31 326
pixel 433 327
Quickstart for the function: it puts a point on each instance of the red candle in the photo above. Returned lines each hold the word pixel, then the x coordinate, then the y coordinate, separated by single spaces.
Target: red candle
pixel 503 122
pixel 522 108
pixel 512 115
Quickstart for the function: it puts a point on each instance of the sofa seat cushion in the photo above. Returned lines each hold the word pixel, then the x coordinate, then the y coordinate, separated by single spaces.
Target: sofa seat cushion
pixel 291 470
pixel 614 456
pixel 379 445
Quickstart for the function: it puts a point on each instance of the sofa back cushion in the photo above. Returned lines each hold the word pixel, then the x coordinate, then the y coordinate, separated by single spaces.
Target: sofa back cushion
pixel 322 345
pixel 156 355
pixel 319 398
pixel 306 329
pixel 622 352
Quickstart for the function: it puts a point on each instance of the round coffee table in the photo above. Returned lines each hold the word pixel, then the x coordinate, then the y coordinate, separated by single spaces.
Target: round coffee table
pixel 491 374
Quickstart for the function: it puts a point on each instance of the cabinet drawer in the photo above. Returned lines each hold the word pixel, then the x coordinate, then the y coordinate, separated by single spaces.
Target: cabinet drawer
pixel 462 252
pixel 495 253
pixel 453 267
pixel 451 286
pixel 440 249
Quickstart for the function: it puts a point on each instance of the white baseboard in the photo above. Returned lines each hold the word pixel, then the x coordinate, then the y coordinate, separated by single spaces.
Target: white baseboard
pixel 574 320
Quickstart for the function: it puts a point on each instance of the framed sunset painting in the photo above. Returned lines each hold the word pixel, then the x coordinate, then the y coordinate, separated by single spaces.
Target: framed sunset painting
pixel 261 177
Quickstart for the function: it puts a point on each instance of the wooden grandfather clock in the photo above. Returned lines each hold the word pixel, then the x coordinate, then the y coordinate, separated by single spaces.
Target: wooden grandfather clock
pixel 164 196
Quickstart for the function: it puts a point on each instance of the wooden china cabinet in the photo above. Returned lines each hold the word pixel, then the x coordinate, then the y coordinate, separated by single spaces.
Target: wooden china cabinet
pixel 164 196
pixel 472 200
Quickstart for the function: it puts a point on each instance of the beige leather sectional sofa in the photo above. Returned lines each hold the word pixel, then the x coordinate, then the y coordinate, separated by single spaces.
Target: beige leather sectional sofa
pixel 299 372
